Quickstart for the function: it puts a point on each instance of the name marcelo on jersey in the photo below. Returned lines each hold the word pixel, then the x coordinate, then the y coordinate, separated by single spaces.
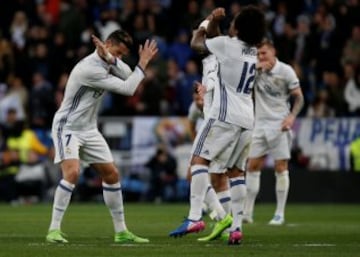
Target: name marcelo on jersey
pixel 249 51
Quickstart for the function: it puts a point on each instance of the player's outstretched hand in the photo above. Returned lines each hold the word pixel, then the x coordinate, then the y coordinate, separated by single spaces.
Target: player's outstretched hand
pixel 147 52
pixel 102 50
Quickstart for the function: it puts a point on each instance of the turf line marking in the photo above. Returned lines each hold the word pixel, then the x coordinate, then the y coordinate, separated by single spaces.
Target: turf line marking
pixel 292 225
pixel 316 245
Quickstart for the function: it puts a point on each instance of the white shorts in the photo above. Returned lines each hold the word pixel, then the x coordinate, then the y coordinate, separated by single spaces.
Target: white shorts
pixel 274 142
pixel 88 146
pixel 224 143
pixel 216 168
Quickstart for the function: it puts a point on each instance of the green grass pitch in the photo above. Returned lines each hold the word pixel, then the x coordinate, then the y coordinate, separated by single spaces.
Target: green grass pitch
pixel 320 230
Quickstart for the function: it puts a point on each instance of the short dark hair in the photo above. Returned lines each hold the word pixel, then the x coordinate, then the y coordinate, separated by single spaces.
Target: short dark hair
pixel 121 36
pixel 266 41
pixel 250 25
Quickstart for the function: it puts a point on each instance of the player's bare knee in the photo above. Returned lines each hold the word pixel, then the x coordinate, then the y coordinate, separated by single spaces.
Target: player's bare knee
pixel 111 176
pixel 70 170
pixel 108 172
pixel 255 164
pixel 281 166
pixel 71 175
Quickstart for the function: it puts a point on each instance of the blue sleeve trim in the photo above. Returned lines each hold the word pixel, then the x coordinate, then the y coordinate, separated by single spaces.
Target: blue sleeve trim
pixel 141 69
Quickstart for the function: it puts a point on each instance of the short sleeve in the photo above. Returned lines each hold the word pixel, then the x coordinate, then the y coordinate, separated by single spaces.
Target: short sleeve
pixel 292 79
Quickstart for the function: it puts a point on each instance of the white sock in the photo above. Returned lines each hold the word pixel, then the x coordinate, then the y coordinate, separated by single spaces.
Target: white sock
pixel 282 190
pixel 238 194
pixel 198 187
pixel 62 198
pixel 225 200
pixel 114 201
pixel 214 204
pixel 252 190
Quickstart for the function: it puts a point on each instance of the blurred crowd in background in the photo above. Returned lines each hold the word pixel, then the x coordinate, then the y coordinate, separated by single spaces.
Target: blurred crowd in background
pixel 41 41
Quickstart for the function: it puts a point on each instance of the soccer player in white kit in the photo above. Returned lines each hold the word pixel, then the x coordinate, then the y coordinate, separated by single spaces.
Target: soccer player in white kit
pixel 225 135
pixel 198 111
pixel 75 133
pixel 219 186
pixel 275 83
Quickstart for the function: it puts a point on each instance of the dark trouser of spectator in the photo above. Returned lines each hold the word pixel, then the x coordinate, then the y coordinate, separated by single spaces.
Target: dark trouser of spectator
pixel 8 189
pixel 161 190
pixel 31 188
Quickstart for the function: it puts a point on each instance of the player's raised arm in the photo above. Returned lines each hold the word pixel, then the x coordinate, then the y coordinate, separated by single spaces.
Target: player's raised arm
pixel 208 28
pixel 115 84
pixel 118 67
pixel 214 19
pixel 198 41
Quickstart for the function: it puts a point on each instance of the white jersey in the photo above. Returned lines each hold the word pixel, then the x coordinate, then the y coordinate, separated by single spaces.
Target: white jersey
pixel 85 87
pixel 272 92
pixel 210 79
pixel 232 101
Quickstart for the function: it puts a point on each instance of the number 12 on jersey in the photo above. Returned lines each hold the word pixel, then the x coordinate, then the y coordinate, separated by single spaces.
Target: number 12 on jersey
pixel 247 77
